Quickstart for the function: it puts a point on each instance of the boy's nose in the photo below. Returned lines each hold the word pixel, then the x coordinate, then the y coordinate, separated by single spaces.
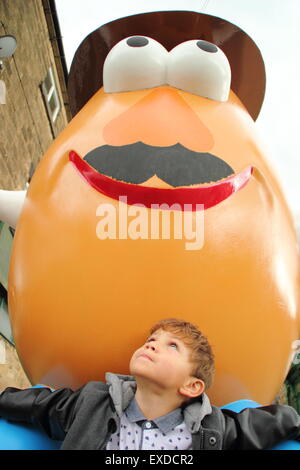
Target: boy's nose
pixel 151 346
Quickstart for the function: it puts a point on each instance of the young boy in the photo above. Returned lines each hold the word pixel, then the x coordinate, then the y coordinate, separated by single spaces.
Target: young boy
pixel 163 407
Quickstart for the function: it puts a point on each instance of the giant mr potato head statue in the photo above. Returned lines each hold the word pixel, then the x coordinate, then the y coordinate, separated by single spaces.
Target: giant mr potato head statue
pixel 163 131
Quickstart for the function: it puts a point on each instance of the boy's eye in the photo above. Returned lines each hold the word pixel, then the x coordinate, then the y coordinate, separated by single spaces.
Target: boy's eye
pixel 174 345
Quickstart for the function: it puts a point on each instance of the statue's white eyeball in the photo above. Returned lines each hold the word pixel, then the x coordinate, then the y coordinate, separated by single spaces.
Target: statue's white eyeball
pixel 200 67
pixel 196 66
pixel 135 63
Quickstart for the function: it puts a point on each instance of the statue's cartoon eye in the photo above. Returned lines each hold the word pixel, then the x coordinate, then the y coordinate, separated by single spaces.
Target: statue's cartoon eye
pixel 201 68
pixel 135 63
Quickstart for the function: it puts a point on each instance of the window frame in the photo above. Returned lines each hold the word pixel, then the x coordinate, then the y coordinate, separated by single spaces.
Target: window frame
pixel 50 93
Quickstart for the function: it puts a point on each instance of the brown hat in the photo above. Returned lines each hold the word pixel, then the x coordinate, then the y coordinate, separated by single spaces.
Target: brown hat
pixel 170 28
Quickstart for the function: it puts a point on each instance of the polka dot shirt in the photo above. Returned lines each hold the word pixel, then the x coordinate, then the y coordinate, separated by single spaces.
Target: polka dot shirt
pixel 168 432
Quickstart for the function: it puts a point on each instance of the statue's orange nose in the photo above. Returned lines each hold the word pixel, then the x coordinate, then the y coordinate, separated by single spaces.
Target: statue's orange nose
pixel 162 118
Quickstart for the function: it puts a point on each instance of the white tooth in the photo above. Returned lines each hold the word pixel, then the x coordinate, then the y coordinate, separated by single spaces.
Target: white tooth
pixel 11 203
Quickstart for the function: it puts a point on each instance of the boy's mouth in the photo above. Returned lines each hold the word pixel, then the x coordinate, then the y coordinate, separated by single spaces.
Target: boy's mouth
pixel 182 198
pixel 145 356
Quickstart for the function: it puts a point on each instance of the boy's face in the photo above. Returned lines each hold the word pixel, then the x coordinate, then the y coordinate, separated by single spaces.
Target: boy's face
pixel 164 360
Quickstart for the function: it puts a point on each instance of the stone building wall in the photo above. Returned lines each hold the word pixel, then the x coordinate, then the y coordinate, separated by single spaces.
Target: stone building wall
pixel 26 130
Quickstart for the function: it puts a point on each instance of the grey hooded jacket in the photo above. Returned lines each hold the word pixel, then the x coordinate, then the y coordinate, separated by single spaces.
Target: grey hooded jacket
pixel 85 419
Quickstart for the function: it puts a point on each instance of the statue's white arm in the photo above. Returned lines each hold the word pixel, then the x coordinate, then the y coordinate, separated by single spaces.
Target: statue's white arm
pixel 11 203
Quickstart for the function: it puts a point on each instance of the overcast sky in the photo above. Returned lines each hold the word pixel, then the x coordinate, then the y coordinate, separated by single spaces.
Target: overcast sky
pixel 270 23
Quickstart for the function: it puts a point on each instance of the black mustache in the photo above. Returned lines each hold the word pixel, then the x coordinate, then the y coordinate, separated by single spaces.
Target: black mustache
pixel 176 165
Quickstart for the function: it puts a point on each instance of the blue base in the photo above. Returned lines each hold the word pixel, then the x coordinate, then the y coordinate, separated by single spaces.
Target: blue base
pixel 16 436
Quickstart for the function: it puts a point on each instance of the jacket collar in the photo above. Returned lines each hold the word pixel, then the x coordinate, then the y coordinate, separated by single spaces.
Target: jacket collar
pixel 122 389
pixel 195 411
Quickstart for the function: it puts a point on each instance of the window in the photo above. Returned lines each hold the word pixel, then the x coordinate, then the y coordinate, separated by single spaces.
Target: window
pixel 6 239
pixel 50 95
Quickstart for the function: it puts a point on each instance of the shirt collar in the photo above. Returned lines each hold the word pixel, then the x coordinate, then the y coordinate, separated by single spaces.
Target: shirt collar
pixel 165 423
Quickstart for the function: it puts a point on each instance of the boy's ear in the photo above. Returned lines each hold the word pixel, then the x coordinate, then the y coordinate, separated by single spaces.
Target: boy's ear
pixel 192 388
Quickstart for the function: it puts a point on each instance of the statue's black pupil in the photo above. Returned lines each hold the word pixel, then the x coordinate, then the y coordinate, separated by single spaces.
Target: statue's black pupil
pixel 137 41
pixel 207 46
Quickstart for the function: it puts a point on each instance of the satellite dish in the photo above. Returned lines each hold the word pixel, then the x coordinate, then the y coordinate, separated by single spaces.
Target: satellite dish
pixel 8 45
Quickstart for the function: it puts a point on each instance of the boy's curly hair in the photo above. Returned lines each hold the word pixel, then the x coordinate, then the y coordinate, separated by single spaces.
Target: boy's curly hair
pixel 201 352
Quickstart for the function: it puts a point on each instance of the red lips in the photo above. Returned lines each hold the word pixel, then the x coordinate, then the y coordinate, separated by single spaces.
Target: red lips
pixel 186 198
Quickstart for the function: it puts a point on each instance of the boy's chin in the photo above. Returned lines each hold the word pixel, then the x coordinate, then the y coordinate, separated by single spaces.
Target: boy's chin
pixel 140 373
pixel 139 366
